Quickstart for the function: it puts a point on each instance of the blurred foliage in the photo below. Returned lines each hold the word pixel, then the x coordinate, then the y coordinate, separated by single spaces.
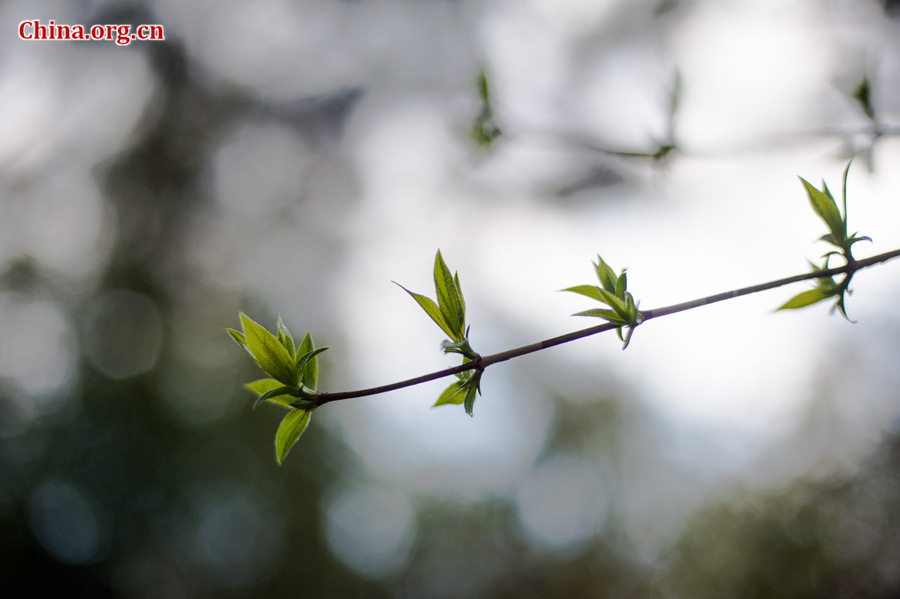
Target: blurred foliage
pixel 836 537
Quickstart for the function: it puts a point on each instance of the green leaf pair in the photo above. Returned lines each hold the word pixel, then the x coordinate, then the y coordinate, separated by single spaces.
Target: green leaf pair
pixel 294 371
pixel 462 391
pixel 622 310
pixel 449 313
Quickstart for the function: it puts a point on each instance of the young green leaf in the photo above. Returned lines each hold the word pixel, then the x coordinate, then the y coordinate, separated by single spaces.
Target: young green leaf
pixel 279 395
pixel 268 352
pixel 591 291
pixel 827 209
pixel 614 302
pixel 430 308
pixel 454 394
pixel 808 298
pixel 284 336
pixel 240 339
pixel 264 386
pixel 621 284
pixel 605 274
pixel 448 296
pixel 308 372
pixel 462 300
pixel 289 431
pixel 600 313
pixel 473 388
pixel 303 360
pixel 844 192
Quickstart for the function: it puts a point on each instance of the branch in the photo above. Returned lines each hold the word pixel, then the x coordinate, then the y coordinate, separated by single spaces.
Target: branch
pixel 483 362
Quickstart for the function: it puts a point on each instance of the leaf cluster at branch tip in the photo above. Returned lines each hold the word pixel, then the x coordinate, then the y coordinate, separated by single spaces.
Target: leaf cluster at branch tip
pixel 294 373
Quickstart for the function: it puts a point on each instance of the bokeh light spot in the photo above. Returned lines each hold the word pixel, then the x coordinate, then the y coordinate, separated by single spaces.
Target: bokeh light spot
pixel 564 501
pixel 65 522
pixel 123 333
pixel 371 529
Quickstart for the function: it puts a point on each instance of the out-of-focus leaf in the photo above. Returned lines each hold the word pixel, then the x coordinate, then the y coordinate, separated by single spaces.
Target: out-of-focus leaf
pixel 614 302
pixel 627 337
pixel 863 95
pixel 289 431
pixel 591 291
pixel 827 210
pixel 268 352
pixel 455 394
pixel 484 130
pixel 605 274
pixel 621 284
pixel 600 313
pixel 807 298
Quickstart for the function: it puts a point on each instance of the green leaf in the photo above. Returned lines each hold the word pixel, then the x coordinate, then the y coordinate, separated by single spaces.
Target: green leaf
pixel 591 291
pixel 605 274
pixel 827 210
pixel 449 298
pixel 600 313
pixel 807 298
pixel 240 339
pixel 263 386
pixel 284 336
pixel 627 338
pixel 614 302
pixel 471 393
pixel 278 392
pixel 454 394
pixel 430 308
pixel 268 352
pixel 839 305
pixel 303 404
pixel 302 360
pixel 863 95
pixel 462 300
pixel 308 373
pixel 484 92
pixel 484 130
pixel 289 431
pixel 621 284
